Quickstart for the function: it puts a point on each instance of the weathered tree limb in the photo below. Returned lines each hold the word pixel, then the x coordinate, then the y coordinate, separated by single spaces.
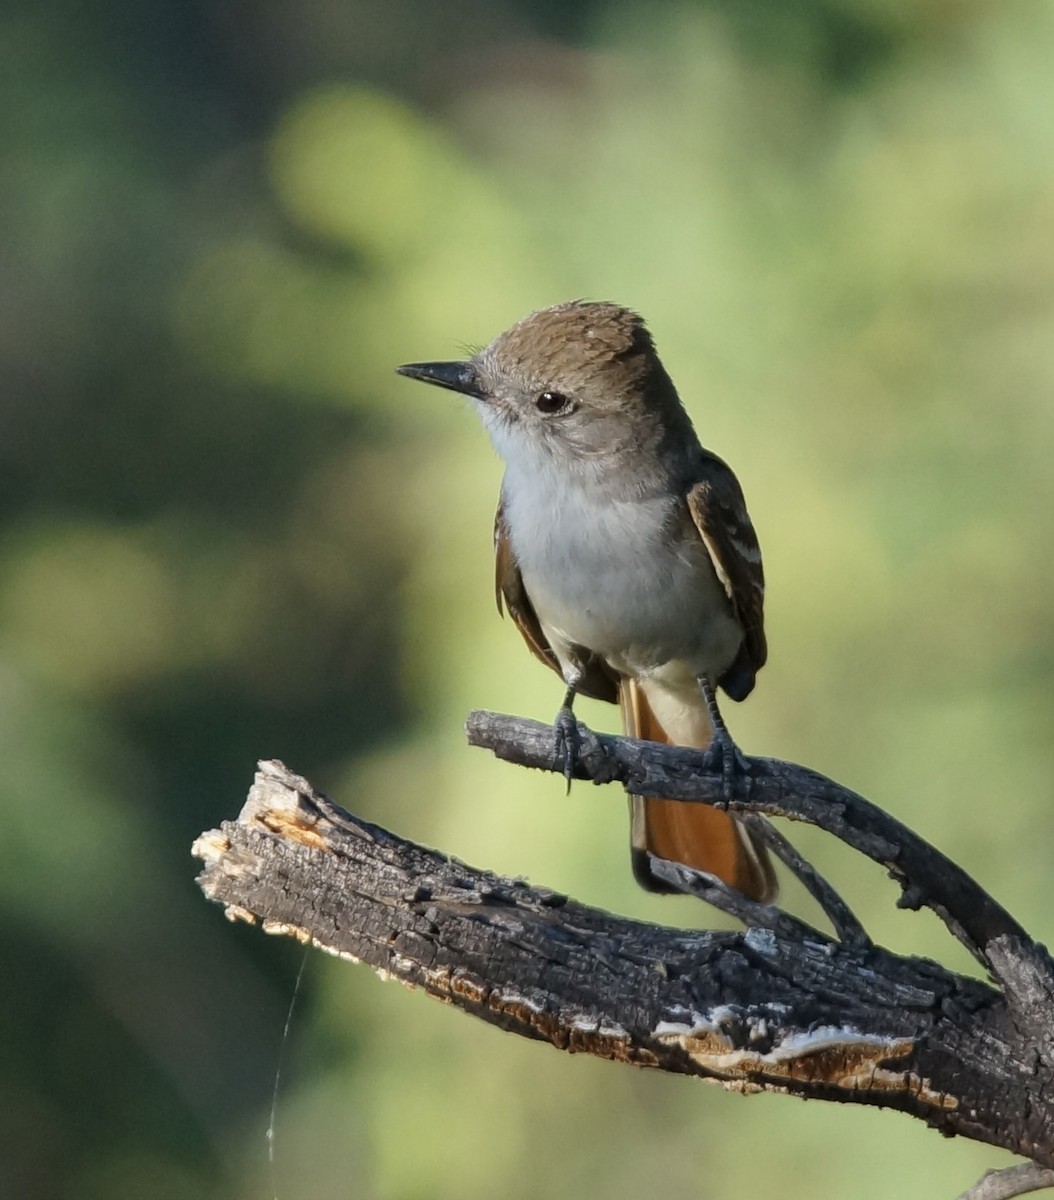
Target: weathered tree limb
pixel 1010 1182
pixel 775 788
pixel 846 925
pixel 766 1009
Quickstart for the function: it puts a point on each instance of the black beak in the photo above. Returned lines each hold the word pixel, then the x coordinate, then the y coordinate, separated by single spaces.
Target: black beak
pixel 457 376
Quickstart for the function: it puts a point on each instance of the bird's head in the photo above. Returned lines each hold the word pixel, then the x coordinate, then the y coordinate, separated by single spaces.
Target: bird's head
pixel 578 383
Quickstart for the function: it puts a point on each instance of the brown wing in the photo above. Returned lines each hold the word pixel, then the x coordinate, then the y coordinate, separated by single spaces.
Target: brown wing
pixel 720 514
pixel 511 596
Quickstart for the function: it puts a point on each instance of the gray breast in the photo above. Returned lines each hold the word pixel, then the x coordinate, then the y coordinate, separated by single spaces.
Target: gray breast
pixel 628 579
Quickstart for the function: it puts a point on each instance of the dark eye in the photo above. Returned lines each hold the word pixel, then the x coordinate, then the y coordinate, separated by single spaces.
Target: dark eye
pixel 550 402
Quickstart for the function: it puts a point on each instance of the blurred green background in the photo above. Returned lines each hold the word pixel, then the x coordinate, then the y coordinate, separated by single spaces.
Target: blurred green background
pixel 230 532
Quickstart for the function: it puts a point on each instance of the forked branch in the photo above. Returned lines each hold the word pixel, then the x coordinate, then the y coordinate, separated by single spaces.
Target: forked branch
pixel 773 788
pixel 778 1007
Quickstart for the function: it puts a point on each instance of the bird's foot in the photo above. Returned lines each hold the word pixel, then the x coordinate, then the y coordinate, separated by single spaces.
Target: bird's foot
pixel 722 751
pixel 724 755
pixel 567 742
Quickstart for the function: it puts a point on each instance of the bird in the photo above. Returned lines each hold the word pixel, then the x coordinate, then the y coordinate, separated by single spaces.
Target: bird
pixel 625 556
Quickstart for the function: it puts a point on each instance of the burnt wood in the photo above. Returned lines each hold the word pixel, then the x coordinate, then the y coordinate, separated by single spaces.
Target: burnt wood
pixel 779 1006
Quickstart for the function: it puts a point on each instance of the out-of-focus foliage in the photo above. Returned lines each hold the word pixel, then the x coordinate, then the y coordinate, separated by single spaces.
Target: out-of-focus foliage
pixel 228 531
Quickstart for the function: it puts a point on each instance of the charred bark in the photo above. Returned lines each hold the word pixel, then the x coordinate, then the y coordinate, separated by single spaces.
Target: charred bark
pixel 778 1007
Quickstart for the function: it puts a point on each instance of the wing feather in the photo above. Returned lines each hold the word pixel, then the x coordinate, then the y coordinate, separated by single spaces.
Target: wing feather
pixel 720 514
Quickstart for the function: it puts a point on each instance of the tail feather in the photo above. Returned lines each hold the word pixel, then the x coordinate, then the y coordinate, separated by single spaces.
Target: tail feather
pixel 692 834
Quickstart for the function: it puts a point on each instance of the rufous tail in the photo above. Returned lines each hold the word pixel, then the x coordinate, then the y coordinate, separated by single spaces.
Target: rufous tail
pixel 682 832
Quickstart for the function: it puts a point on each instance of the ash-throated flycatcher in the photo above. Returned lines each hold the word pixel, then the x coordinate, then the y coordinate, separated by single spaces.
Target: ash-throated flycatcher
pixel 624 551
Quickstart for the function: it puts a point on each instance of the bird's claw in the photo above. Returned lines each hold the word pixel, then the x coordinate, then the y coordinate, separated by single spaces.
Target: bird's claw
pixel 723 753
pixel 568 741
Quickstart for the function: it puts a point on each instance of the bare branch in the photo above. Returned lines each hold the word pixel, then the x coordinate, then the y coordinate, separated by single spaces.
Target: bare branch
pixel 776 788
pixel 1010 1182
pixel 718 894
pixel 846 925
pixel 767 1009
